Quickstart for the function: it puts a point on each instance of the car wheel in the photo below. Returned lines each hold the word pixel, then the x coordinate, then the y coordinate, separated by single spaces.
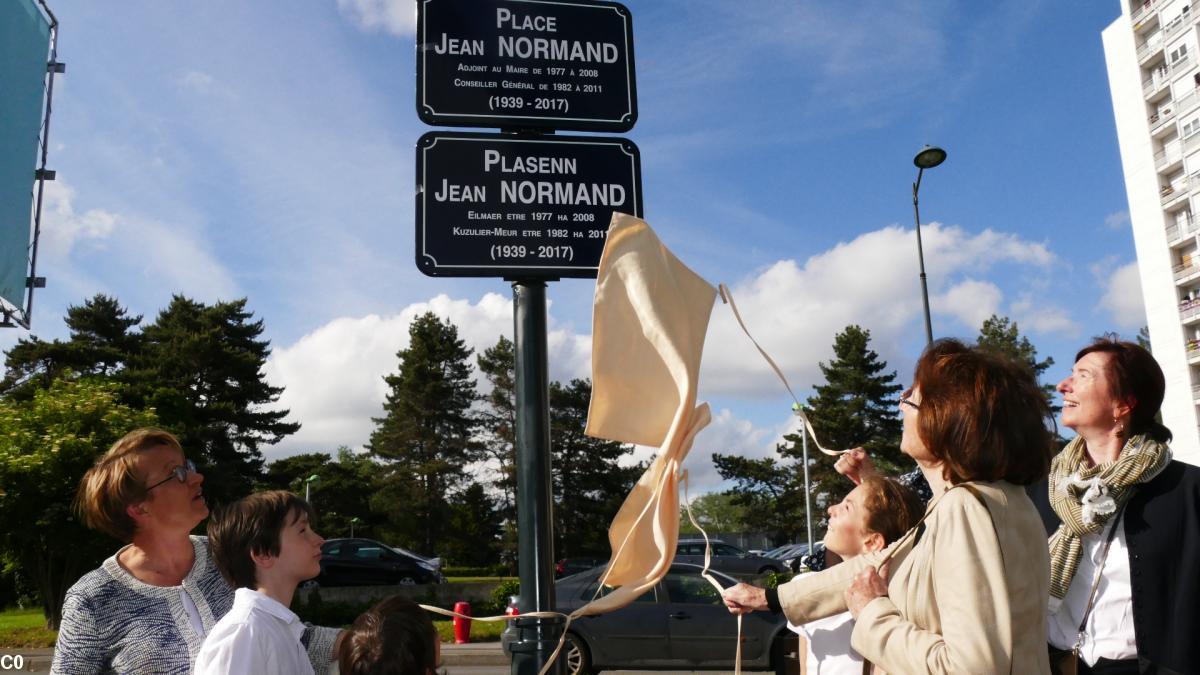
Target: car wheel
pixel 575 657
pixel 407 580
pixel 785 655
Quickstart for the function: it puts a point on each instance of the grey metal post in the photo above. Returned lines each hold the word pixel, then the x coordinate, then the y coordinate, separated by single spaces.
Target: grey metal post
pixel 807 487
pixel 537 638
pixel 921 259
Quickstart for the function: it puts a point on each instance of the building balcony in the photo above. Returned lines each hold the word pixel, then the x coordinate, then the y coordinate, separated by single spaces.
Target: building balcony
pixel 1150 52
pixel 1157 86
pixel 1174 27
pixel 1189 311
pixel 1187 102
pixel 1168 161
pixel 1162 122
pixel 1193 352
pixel 1146 23
pixel 1173 194
pixel 1139 13
pixel 1186 271
pixel 1196 393
pixel 1179 65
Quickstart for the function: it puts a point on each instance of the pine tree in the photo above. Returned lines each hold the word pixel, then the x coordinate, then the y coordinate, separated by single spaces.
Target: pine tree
pixel 855 407
pixel 426 433
pixel 769 490
pixel 590 484
pixel 1001 336
pixel 201 368
pixel 498 420
pixel 102 338
pixel 474 528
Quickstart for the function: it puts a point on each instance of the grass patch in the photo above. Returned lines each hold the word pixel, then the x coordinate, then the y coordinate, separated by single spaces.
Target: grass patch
pixel 25 628
pixel 481 631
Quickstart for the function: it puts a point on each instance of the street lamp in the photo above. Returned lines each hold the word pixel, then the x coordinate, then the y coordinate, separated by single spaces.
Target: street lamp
pixel 307 482
pixel 352 522
pixel 929 157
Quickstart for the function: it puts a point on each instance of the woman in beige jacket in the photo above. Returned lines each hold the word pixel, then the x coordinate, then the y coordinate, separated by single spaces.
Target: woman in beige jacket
pixel 968 586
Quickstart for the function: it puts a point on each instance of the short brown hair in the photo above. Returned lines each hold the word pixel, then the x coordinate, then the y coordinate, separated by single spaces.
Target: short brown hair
pixel 891 508
pixel 395 637
pixel 251 526
pixel 114 482
pixel 983 415
pixel 1135 378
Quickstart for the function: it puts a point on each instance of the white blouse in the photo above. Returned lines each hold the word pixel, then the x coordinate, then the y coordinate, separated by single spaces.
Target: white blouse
pixel 1109 630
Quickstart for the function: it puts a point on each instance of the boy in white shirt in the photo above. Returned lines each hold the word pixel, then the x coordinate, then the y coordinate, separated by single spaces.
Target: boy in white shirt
pixel 873 515
pixel 264 546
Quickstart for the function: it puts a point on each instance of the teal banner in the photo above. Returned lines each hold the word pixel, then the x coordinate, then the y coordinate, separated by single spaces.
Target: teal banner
pixel 24 52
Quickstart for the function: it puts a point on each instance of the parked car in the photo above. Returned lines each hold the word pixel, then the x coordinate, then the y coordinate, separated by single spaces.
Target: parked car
pixel 679 624
pixel 726 558
pixel 568 566
pixel 789 555
pixel 366 562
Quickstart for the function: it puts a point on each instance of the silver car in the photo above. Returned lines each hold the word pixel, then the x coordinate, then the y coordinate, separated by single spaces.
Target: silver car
pixel 680 624
pixel 726 558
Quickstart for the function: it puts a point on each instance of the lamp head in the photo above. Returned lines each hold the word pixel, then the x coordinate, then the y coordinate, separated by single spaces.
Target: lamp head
pixel 929 157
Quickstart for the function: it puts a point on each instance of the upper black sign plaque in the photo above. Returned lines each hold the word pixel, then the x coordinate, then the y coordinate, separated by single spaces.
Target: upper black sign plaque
pixel 520 207
pixel 528 64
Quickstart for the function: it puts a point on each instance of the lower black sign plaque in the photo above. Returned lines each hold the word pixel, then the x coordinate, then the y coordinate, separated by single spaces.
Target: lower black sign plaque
pixel 520 207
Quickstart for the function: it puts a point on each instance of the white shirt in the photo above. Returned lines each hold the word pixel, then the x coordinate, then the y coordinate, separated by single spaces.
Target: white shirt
pixel 1109 630
pixel 829 651
pixel 258 635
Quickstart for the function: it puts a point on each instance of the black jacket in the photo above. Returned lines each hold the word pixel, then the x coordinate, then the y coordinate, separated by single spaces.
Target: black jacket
pixel 1162 528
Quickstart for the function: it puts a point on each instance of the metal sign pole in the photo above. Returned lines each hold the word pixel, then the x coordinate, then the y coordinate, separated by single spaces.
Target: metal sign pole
pixel 537 638
pixel 807 488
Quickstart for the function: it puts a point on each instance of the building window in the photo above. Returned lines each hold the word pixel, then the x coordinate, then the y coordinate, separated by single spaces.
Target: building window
pixel 1191 126
pixel 1178 54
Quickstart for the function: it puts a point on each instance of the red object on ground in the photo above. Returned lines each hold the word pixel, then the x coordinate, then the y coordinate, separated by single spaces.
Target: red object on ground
pixel 462 627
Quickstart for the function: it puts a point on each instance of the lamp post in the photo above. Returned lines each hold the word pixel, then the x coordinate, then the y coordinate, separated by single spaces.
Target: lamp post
pixel 352 522
pixel 307 482
pixel 929 157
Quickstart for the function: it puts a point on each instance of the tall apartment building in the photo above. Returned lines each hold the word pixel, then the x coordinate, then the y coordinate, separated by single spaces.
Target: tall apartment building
pixel 1153 61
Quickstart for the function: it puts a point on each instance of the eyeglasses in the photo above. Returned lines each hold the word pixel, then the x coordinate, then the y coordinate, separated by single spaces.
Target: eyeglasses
pixel 179 473
pixel 905 400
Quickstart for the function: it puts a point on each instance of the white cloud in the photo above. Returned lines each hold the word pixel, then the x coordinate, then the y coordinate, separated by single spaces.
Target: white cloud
pixel 795 311
pixel 972 302
pixel 195 80
pixel 63 229
pixel 1117 221
pixel 1039 315
pixel 398 17
pixel 333 376
pixel 1123 297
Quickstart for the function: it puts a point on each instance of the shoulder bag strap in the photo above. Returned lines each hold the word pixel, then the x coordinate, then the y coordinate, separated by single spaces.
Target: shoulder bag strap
pixel 1112 532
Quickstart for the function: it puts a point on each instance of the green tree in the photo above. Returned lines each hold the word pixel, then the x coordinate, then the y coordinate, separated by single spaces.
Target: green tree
pixel 1143 338
pixel 426 434
pixel 102 338
pixel 201 368
pixel 717 512
pixel 770 492
pixel 46 445
pixel 855 407
pixel 475 528
pixel 341 492
pixel 498 418
pixel 1001 336
pixel 590 484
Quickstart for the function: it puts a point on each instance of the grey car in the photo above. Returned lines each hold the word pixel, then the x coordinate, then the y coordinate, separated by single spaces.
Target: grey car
pixel 680 624
pixel 726 558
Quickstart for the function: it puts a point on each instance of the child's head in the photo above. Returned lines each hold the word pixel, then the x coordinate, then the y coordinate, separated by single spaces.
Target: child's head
pixel 265 534
pixel 395 637
pixel 872 516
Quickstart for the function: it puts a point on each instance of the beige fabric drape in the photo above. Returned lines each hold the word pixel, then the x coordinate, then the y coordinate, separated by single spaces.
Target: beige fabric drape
pixel 649 320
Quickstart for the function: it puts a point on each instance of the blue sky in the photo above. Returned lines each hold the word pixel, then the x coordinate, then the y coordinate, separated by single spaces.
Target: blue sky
pixel 265 149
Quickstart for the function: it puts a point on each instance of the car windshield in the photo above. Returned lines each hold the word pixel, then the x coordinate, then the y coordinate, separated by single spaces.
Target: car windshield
pixel 404 551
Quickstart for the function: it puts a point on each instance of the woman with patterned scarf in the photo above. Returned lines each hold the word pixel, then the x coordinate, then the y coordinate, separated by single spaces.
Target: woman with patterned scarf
pixel 1125 557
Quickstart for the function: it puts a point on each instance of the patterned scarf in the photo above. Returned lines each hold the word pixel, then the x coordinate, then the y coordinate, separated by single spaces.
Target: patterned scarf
pixel 1085 498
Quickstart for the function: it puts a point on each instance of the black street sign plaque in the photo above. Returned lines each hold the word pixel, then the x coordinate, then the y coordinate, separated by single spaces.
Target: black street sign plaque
pixel 526 64
pixel 520 207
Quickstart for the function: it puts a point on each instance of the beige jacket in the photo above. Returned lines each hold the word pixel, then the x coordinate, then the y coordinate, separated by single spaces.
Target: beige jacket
pixel 969 597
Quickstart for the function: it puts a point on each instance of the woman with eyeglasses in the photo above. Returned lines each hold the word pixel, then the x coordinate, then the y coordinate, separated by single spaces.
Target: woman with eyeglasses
pixel 148 607
pixel 968 587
